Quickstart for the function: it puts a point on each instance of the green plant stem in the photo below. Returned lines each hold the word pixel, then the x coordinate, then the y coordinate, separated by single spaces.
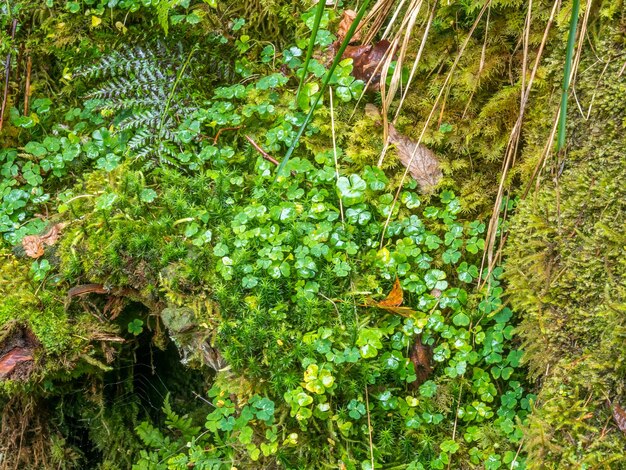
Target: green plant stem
pixel 171 95
pixel 319 12
pixel 329 74
pixel 573 24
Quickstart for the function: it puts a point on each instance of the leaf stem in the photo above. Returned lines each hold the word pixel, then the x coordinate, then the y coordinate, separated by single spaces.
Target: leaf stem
pixel 329 74
pixel 319 12
pixel 171 95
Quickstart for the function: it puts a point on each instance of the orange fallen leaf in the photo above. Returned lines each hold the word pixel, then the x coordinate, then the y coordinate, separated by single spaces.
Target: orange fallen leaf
pixel 344 25
pixel 392 303
pixel 33 246
pixel 395 297
pixel 52 235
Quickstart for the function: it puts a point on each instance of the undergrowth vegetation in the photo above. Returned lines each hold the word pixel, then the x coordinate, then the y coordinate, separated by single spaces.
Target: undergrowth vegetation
pixel 172 301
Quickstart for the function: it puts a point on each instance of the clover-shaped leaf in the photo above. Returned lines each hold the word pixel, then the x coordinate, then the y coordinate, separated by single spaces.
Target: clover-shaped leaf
pixel 135 327
pixel 352 189
pixel 435 279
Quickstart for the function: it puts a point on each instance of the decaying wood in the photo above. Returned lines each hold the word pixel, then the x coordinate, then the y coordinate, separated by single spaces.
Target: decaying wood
pixel 107 337
pixel 87 289
pixel 113 307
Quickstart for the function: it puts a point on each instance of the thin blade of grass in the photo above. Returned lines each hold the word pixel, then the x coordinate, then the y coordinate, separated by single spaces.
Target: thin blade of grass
pixel 400 45
pixel 342 48
pixel 319 12
pixel 377 16
pixel 571 39
pixel 332 127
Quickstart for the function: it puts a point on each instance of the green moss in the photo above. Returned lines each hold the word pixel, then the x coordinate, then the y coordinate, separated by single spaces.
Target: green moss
pixel 566 271
pixel 42 310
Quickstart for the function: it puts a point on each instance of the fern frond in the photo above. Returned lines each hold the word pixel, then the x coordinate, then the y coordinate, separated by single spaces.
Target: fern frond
pixel 134 85
pixel 149 119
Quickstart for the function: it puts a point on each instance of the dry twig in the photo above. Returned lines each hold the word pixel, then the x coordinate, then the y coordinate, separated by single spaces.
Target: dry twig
pixel 263 153
pixel 29 67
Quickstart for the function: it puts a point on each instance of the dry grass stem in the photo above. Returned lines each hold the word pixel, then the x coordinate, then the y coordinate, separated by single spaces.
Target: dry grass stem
pixel 432 112
pixel 489 258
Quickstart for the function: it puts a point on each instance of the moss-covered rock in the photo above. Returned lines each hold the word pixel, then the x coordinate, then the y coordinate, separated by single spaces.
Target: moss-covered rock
pixel 567 272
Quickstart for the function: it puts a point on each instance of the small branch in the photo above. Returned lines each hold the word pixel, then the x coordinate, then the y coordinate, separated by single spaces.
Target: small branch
pixel 369 426
pixel 6 81
pixel 217 136
pixel 87 289
pixel 263 153
pixel 29 66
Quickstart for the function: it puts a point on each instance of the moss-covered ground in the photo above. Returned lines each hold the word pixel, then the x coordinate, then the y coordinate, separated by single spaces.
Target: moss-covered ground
pixel 169 301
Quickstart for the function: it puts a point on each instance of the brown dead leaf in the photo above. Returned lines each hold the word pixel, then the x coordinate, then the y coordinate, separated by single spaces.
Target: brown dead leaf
pixel 421 357
pixel 366 60
pixel 344 25
pixel 52 235
pixel 34 244
pixel 392 303
pixel 395 297
pixel 17 351
pixel 423 164
pixel 619 415
pixel 11 359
